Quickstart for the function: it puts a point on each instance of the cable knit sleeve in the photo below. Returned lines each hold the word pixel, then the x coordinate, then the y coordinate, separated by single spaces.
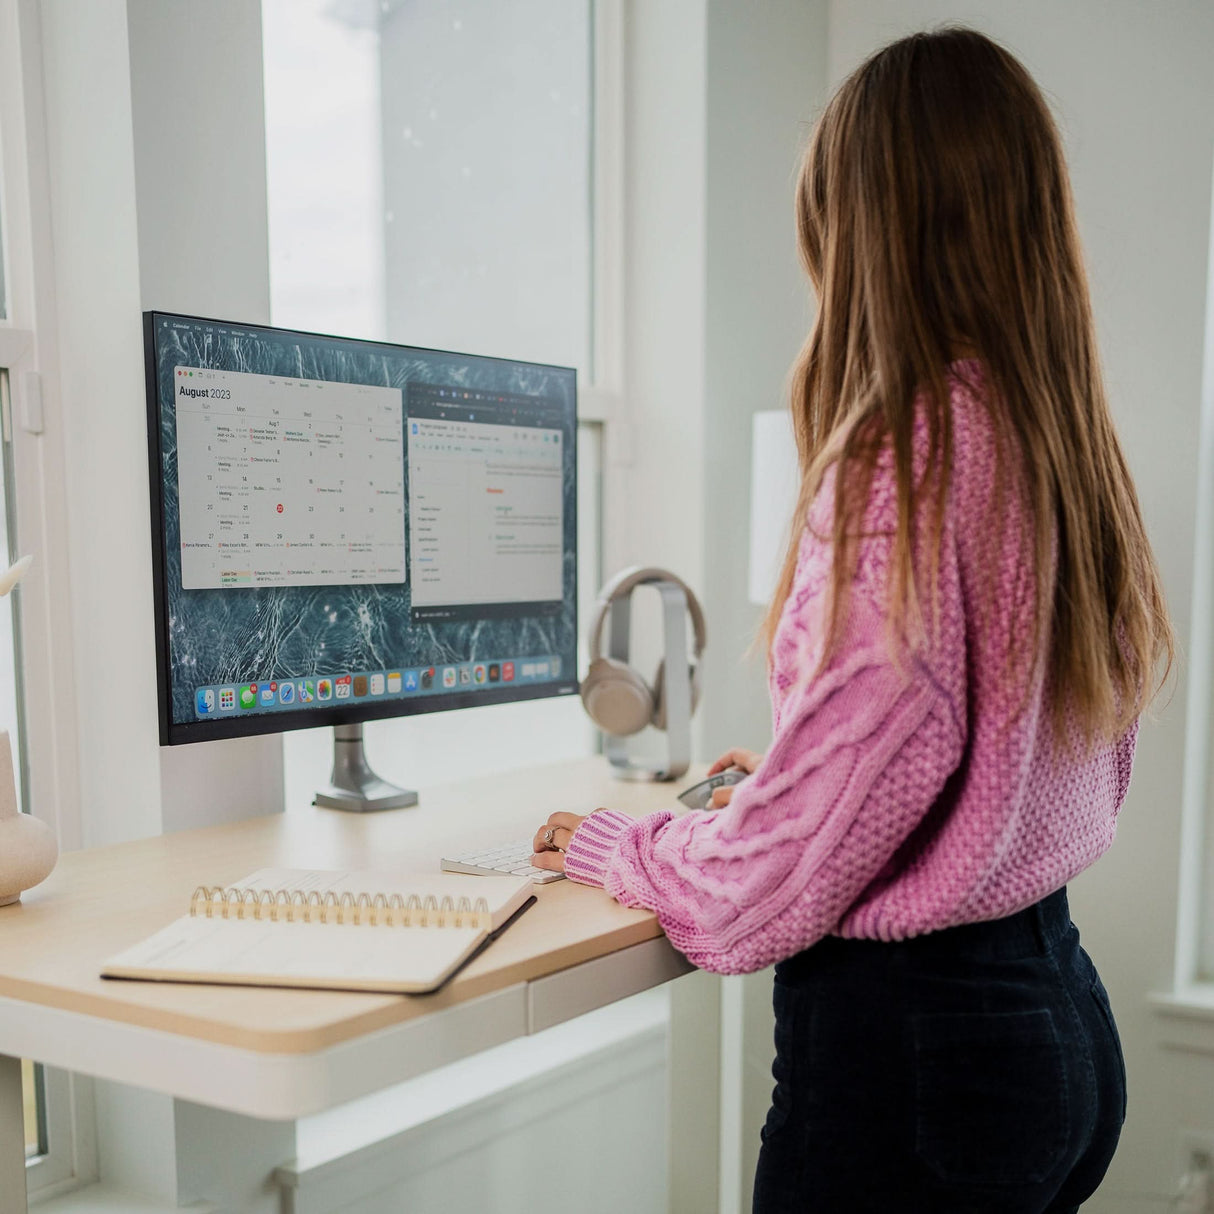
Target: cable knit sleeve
pixel 862 750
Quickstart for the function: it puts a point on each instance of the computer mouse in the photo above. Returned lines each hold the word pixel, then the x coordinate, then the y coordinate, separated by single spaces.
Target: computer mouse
pixel 698 795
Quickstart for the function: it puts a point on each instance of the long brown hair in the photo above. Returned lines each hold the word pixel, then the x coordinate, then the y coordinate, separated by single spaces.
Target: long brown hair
pixel 934 214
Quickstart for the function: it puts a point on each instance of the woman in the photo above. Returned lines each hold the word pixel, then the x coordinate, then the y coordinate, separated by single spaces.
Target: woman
pixel 968 625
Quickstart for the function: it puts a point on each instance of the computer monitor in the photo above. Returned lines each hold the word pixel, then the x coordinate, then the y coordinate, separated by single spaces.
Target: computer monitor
pixel 347 530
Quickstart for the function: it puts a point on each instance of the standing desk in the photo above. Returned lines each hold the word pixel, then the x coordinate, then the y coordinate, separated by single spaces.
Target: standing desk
pixel 282 1054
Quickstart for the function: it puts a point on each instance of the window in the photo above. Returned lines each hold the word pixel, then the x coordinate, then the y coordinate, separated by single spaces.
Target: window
pixel 430 181
pixel 429 174
pixel 37 706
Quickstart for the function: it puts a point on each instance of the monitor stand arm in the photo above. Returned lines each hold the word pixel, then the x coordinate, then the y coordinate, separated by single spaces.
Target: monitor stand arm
pixel 353 785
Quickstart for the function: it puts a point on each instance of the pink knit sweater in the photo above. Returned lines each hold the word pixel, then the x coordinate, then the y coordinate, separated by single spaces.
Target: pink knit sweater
pixel 898 797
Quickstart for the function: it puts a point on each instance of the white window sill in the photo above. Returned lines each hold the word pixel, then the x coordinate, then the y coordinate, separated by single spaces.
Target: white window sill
pixel 103 1199
pixel 1184 1018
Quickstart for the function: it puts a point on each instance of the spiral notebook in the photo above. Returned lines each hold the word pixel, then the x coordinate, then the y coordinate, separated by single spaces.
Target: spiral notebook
pixel 340 930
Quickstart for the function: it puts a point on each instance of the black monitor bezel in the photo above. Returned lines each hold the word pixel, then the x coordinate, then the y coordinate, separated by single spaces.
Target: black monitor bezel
pixel 358 711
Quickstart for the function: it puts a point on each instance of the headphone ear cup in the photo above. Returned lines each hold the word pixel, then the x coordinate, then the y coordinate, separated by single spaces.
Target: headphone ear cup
pixel 616 698
pixel 659 692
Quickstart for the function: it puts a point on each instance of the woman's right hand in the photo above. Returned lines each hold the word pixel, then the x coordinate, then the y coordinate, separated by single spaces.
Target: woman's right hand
pixel 747 760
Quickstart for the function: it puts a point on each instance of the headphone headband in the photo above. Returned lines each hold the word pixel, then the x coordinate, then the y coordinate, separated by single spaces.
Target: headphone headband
pixel 623 584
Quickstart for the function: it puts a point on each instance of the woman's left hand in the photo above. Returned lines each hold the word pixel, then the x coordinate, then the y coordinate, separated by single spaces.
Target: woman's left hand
pixel 549 848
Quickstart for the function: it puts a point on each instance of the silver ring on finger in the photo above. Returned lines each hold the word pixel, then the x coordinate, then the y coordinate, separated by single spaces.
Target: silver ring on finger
pixel 549 835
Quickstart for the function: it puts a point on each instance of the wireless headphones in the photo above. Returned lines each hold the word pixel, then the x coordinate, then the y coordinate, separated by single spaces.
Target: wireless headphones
pixel 616 698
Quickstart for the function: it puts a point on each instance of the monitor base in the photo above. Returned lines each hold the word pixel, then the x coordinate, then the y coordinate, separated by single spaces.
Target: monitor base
pixel 353 786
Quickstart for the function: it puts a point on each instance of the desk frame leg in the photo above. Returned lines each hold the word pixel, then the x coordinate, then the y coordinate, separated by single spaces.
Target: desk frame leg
pixel 13 1197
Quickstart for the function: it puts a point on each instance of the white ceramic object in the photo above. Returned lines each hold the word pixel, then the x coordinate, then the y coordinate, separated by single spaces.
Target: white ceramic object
pixel 28 849
pixel 13 574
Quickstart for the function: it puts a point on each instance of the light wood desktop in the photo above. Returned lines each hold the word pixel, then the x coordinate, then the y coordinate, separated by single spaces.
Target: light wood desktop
pixel 283 1054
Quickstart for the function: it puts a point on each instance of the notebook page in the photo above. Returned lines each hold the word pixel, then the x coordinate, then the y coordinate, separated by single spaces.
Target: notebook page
pixel 264 953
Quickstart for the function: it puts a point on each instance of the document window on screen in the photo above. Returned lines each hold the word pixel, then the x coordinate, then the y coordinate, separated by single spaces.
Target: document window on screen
pixel 486 527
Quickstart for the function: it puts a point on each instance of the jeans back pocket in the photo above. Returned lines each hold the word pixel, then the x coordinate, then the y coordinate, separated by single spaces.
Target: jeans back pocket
pixel 991 1101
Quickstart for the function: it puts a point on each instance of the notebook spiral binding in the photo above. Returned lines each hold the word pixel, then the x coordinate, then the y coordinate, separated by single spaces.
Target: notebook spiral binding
pixel 312 906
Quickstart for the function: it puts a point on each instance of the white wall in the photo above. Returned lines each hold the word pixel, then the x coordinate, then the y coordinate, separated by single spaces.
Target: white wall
pixel 200 188
pixel 656 485
pixel 1133 90
pixel 91 160
pixel 766 72
pixel 157 184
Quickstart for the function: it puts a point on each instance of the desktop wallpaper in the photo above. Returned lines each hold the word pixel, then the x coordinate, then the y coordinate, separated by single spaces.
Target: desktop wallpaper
pixel 240 634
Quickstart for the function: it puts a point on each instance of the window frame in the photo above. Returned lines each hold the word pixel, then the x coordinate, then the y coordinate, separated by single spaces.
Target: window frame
pixel 600 400
pixel 35 425
pixel 1193 963
pixel 33 430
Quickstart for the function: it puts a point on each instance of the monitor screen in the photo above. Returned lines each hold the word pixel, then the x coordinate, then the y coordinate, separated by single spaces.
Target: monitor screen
pixel 345 530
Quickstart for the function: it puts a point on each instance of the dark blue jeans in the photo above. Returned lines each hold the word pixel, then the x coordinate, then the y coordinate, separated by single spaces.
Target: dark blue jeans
pixel 976 1069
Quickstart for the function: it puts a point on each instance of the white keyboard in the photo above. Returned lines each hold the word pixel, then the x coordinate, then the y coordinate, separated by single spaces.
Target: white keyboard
pixel 513 858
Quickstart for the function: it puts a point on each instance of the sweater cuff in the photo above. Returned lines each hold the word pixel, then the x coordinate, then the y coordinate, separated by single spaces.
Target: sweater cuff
pixel 593 844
